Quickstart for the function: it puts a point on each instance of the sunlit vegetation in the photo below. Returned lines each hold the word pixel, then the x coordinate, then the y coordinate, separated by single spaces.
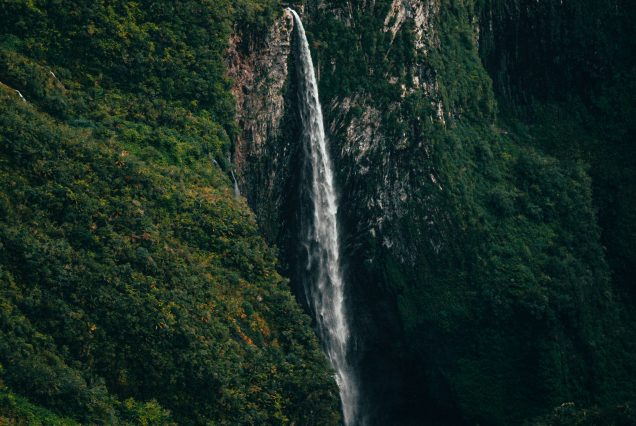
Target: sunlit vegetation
pixel 135 287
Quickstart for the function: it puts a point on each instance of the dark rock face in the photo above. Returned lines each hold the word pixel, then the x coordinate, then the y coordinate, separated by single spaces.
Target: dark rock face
pixel 478 285
pixel 268 153
pixel 260 70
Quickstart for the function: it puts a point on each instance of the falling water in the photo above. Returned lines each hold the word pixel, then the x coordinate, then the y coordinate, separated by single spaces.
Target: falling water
pixel 324 285
pixel 20 94
pixel 237 191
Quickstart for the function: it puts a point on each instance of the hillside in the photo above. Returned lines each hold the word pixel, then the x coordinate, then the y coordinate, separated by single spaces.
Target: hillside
pixel 135 286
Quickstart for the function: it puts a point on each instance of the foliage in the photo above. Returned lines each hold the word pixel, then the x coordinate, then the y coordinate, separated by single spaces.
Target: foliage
pixel 16 410
pixel 568 414
pixel 135 286
pixel 574 97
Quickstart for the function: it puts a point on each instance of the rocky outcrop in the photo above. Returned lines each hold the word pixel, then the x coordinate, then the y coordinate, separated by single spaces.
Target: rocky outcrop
pixel 258 64
pixel 259 72
pixel 378 174
pixel 422 14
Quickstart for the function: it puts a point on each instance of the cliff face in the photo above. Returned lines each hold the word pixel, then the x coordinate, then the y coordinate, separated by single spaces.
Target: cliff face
pixel 376 183
pixel 259 68
pixel 479 287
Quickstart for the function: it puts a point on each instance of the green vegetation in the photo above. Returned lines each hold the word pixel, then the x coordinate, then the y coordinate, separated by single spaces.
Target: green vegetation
pixel 582 106
pixel 17 410
pixel 568 414
pixel 490 239
pixel 135 288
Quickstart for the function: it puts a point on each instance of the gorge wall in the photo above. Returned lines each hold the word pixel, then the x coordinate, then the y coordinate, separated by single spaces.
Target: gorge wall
pixel 474 257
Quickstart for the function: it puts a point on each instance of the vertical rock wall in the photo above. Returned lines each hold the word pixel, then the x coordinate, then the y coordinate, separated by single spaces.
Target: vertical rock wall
pixel 259 66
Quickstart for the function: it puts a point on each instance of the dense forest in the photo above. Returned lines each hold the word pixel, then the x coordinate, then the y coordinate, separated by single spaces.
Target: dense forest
pixel 485 160
pixel 135 287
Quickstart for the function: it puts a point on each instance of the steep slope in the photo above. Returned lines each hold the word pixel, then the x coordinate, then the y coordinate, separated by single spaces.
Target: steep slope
pixel 574 90
pixel 476 270
pixel 135 286
pixel 573 95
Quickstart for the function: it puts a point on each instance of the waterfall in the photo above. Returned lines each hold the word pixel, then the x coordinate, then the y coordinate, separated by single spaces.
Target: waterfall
pixel 20 94
pixel 324 283
pixel 237 191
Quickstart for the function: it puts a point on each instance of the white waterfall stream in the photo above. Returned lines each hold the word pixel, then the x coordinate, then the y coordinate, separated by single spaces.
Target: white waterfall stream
pixel 237 191
pixel 326 286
